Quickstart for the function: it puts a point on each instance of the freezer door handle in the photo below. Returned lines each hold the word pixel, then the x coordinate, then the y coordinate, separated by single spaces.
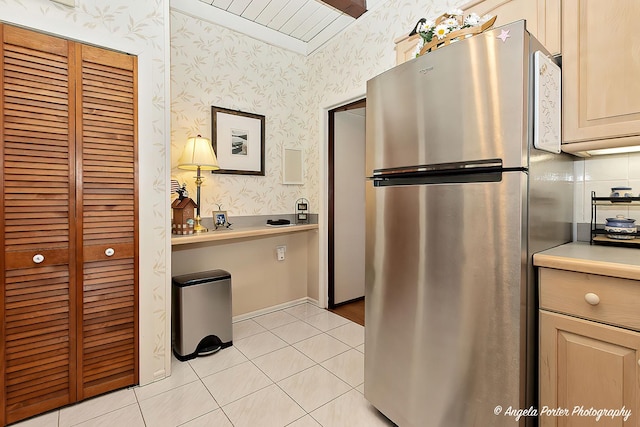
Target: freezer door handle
pixel 456 167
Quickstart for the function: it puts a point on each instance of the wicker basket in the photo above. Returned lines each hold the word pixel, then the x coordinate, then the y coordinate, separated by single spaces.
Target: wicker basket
pixel 454 36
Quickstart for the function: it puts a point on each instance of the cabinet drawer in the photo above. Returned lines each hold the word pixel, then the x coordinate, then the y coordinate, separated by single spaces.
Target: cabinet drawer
pixel 614 301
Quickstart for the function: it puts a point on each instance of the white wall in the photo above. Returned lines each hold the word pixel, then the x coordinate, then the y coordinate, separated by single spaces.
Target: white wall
pixel 139 28
pixel 599 174
pixel 348 193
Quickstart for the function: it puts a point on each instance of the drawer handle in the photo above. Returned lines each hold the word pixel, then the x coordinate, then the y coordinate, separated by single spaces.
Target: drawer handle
pixel 592 298
pixel 109 252
pixel 38 258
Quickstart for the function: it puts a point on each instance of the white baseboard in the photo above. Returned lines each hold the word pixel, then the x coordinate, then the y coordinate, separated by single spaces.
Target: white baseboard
pixel 271 309
pixel 159 374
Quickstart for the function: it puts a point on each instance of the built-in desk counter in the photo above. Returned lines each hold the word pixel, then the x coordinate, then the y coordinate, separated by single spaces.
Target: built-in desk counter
pixel 259 280
pixel 240 233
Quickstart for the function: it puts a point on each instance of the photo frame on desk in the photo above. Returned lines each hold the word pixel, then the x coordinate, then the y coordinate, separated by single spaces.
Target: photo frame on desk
pixel 238 141
pixel 220 219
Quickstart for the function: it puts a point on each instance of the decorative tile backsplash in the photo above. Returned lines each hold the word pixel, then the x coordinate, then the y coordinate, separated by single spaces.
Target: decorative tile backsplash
pixel 600 174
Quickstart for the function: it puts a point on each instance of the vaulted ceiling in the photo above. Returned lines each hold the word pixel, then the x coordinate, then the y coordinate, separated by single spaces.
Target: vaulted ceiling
pixel 299 25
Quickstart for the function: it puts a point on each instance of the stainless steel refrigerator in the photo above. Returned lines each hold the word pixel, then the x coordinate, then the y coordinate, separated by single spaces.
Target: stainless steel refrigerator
pixel 458 200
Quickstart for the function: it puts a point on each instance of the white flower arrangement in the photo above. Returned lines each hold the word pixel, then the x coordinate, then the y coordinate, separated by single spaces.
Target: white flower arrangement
pixel 446 24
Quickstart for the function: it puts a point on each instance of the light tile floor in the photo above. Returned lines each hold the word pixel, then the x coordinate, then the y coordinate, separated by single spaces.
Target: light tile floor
pixel 298 367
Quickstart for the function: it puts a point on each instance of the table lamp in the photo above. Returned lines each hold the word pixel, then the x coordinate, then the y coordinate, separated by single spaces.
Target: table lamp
pixel 198 155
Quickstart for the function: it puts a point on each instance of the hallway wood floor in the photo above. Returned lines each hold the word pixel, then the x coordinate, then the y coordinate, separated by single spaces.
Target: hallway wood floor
pixel 353 311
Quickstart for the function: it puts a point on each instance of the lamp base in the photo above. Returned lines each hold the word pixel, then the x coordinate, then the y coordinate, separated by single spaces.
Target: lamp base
pixel 197 227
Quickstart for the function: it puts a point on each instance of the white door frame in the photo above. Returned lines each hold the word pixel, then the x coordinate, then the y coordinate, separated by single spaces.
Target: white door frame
pixel 323 212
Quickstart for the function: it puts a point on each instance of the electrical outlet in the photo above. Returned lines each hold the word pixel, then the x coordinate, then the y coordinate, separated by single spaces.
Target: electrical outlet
pixel 280 250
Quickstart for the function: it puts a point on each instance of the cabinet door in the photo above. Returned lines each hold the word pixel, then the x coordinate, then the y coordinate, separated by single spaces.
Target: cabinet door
pixel 37 346
pixel 587 364
pixel 107 204
pixel 601 88
pixel 543 17
pixel 406 48
pixel 543 22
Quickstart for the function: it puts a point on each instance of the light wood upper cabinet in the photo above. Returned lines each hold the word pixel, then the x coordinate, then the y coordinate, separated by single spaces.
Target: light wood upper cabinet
pixel 406 47
pixel 543 21
pixel 589 346
pixel 601 72
pixel 542 16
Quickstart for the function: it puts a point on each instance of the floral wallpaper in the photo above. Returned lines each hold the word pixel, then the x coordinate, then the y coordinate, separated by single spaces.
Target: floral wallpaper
pixel 214 66
pixel 138 28
pixel 342 67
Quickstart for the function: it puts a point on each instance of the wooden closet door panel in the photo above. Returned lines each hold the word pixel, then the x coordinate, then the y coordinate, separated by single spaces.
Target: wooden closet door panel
pixel 107 203
pixel 38 333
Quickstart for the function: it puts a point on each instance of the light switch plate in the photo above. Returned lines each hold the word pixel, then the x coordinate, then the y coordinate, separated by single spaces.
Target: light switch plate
pixel 70 3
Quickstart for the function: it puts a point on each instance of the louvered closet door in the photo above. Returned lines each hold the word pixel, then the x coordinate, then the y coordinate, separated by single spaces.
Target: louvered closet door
pixel 38 334
pixel 107 204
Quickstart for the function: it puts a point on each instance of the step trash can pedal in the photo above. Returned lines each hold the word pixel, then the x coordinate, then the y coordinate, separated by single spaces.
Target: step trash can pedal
pixel 201 314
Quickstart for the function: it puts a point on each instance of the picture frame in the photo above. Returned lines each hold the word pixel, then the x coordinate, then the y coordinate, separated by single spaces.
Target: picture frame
pixel 220 219
pixel 302 206
pixel 302 217
pixel 238 141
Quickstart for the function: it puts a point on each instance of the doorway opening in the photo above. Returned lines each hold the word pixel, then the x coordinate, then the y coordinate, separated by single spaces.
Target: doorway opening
pixel 346 207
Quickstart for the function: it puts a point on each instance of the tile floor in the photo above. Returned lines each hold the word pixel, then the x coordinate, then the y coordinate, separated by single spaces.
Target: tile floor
pixel 299 367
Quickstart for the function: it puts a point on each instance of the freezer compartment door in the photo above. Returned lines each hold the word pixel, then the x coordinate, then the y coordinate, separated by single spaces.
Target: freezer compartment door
pixel 467 102
pixel 445 301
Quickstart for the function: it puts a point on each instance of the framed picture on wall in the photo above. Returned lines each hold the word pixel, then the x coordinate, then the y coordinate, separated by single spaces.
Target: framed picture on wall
pixel 238 140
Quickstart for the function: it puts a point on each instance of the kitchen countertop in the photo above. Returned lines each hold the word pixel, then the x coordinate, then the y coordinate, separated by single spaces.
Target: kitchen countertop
pixel 239 233
pixel 594 259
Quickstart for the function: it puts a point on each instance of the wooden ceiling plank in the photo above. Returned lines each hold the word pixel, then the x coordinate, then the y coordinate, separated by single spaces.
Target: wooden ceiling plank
pixel 300 17
pixel 238 6
pixel 273 8
pixel 285 14
pixel 311 22
pixel 321 25
pixel 222 4
pixel 254 9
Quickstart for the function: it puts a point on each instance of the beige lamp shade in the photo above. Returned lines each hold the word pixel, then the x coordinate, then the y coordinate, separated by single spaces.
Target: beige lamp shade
pixel 198 153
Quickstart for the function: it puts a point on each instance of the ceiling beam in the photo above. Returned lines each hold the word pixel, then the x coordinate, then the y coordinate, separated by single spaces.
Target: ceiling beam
pixel 353 8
